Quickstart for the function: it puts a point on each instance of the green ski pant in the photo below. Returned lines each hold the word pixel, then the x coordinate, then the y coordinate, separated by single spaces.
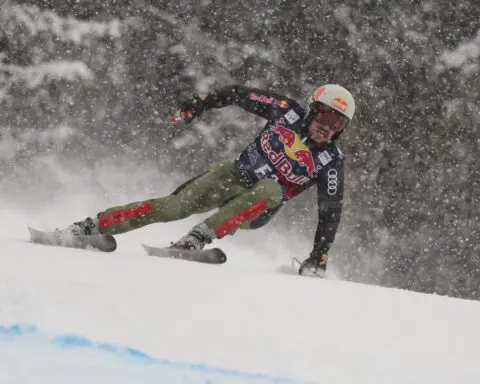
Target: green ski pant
pixel 220 187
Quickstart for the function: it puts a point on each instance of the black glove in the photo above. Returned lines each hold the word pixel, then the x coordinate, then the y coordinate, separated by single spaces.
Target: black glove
pixel 315 265
pixel 189 110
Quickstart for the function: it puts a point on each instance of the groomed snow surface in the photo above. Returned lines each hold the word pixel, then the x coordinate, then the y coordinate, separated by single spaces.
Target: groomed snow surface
pixel 75 316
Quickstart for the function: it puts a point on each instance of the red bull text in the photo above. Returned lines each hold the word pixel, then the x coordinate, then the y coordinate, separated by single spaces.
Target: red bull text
pixel 294 149
pixel 268 100
pixel 340 104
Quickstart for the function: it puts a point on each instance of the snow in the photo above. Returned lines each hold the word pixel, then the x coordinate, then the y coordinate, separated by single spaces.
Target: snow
pixel 35 76
pixel 85 317
pixel 465 52
pixel 32 20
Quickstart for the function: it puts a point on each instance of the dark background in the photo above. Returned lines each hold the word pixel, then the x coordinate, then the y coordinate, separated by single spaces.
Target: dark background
pixel 102 77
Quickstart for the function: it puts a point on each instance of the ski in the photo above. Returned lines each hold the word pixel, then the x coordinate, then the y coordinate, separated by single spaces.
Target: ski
pixel 103 243
pixel 208 256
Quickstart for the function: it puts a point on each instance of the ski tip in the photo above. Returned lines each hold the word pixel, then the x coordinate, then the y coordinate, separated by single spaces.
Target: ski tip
pixel 110 242
pixel 103 242
pixel 34 233
pixel 221 256
pixel 147 248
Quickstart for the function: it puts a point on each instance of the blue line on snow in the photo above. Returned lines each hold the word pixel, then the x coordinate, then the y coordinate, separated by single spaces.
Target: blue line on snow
pixel 75 341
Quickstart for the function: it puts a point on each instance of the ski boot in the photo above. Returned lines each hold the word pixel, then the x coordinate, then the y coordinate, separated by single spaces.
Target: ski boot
pixel 87 227
pixel 196 239
pixel 81 234
pixel 314 266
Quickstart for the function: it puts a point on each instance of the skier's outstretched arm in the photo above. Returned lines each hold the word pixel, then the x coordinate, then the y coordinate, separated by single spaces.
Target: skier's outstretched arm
pixel 260 102
pixel 330 197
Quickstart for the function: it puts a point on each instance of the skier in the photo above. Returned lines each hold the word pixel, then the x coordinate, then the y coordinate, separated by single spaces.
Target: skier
pixel 295 150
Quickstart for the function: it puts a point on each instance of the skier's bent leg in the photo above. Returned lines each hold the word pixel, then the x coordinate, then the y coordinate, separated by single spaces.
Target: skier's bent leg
pixel 262 219
pixel 266 194
pixel 206 192
pixel 125 218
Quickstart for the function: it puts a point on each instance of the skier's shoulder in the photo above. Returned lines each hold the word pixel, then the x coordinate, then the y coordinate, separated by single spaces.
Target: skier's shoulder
pixel 340 155
pixel 291 113
pixel 334 151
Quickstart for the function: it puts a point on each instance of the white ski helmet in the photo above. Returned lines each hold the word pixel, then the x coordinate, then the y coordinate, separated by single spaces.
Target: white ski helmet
pixel 336 97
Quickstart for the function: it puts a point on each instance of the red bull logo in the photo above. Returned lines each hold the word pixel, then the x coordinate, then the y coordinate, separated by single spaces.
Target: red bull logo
pixel 268 100
pixel 282 103
pixel 305 158
pixel 295 149
pixel 282 165
pixel 340 104
pixel 319 93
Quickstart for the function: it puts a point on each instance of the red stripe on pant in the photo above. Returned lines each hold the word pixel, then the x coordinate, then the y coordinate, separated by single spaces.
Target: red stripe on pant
pixel 122 215
pixel 235 221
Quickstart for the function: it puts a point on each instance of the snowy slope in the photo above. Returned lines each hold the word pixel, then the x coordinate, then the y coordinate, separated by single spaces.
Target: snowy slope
pixel 241 322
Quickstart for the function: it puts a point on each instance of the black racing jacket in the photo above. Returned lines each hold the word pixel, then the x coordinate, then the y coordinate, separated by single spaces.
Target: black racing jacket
pixel 279 152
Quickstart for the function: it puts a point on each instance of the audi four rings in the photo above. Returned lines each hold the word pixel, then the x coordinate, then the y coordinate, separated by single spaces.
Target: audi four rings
pixel 332 182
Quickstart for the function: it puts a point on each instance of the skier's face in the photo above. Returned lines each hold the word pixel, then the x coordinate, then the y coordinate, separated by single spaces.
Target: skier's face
pixel 325 124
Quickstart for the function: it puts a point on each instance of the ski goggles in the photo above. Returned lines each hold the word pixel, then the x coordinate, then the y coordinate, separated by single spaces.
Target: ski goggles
pixel 325 115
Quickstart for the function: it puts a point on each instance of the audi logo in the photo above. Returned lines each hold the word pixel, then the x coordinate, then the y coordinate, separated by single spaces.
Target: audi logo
pixel 332 182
